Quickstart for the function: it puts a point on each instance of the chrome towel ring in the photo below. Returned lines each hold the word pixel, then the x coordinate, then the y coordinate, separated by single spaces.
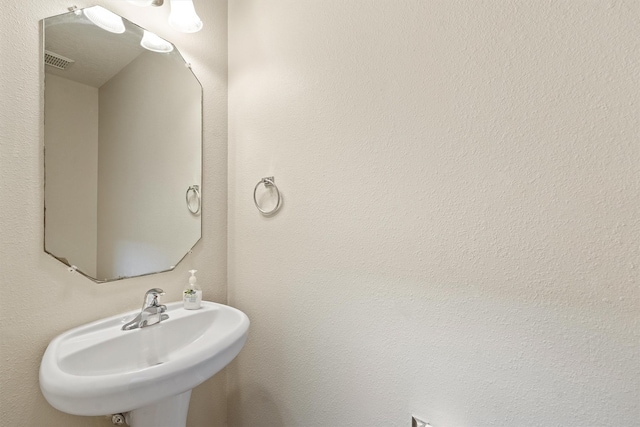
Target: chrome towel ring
pixel 196 191
pixel 268 181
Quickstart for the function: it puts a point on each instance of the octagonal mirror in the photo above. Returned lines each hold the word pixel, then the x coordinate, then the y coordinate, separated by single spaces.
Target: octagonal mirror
pixel 123 147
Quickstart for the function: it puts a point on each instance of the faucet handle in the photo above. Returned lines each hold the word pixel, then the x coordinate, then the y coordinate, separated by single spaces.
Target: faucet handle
pixel 151 297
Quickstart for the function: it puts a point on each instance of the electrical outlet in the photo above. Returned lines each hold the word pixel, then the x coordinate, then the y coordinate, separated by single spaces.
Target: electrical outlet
pixel 417 422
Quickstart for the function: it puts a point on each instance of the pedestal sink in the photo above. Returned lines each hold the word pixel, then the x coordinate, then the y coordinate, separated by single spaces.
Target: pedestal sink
pixel 147 373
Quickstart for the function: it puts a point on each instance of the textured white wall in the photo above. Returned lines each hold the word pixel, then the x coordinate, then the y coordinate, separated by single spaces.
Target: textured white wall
pixel 38 297
pixel 459 237
pixel 71 126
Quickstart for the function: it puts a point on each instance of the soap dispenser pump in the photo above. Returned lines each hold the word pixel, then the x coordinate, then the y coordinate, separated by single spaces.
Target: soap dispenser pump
pixel 192 296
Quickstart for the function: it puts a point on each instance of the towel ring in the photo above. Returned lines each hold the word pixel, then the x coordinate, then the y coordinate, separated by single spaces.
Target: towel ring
pixel 196 191
pixel 268 182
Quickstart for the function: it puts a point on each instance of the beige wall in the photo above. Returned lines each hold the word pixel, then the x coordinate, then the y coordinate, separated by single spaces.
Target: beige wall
pixel 38 297
pixel 459 237
pixel 143 221
pixel 71 126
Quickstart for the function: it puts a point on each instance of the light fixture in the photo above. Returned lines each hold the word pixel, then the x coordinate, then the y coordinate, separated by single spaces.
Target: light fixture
pixel 105 19
pixel 183 16
pixel 155 43
pixel 141 3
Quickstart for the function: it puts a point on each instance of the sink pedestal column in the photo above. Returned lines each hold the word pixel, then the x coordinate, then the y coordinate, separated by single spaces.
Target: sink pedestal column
pixel 169 412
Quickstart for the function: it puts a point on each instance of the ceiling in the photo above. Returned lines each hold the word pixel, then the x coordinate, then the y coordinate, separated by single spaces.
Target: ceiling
pixel 98 54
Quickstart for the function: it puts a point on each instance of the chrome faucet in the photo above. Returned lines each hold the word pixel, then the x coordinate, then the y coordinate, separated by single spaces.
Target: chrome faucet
pixel 152 311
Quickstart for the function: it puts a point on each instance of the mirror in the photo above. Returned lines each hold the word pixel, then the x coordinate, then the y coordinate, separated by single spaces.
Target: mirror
pixel 123 147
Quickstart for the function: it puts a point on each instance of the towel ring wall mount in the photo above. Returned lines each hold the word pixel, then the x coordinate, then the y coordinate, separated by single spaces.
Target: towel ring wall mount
pixel 269 182
pixel 196 192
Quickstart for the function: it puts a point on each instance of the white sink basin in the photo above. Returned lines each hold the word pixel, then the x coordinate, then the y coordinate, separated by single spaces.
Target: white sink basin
pixel 99 369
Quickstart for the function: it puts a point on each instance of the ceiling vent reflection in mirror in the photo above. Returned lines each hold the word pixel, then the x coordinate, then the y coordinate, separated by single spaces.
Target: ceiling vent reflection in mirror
pixel 56 60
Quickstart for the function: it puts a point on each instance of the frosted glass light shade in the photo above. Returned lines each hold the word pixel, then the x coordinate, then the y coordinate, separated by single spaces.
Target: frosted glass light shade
pixel 141 3
pixel 105 19
pixel 183 16
pixel 155 43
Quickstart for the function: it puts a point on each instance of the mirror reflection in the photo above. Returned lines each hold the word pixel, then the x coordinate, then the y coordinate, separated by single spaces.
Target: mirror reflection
pixel 123 146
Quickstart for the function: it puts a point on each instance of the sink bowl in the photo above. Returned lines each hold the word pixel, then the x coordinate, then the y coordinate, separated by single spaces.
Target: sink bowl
pixel 99 369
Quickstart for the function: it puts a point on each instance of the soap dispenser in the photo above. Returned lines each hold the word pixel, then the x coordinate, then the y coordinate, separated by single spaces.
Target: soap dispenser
pixel 192 296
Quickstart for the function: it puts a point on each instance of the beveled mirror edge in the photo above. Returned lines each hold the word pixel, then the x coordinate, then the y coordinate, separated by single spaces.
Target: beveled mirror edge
pixel 74 269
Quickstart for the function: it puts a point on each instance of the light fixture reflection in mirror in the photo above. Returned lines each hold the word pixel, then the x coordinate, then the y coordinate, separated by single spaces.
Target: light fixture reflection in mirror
pixel 155 43
pixel 123 143
pixel 105 19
